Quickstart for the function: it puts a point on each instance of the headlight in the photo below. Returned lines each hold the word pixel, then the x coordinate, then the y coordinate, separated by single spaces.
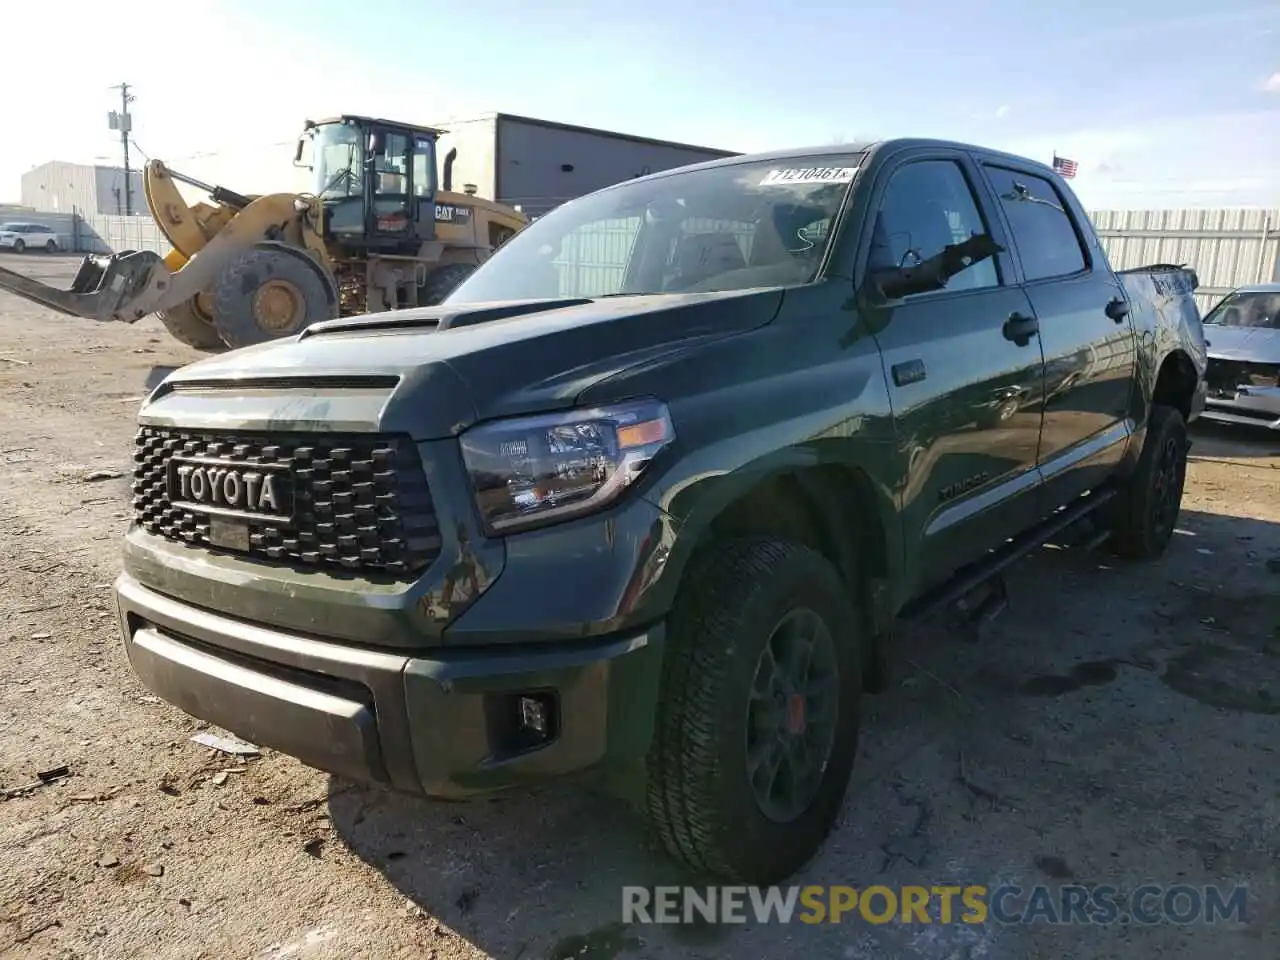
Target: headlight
pixel 529 471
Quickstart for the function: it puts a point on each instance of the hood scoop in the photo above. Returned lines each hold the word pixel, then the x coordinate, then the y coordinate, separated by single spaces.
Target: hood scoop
pixel 436 318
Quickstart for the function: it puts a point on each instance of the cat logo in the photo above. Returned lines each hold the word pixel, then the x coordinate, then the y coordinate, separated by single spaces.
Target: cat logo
pixel 452 213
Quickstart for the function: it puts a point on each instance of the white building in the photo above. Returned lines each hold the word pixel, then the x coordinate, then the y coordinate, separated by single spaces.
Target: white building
pixel 89 190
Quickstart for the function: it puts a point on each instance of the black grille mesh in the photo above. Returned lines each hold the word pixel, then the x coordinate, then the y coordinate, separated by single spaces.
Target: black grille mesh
pixel 361 501
pixel 1223 376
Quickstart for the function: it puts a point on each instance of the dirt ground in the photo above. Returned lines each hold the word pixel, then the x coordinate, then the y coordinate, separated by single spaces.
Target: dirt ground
pixel 1119 725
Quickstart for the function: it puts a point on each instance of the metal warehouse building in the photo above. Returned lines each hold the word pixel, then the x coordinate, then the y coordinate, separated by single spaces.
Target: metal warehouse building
pixel 89 190
pixel 538 164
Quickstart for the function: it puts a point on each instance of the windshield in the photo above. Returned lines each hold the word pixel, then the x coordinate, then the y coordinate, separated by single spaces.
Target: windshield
pixel 11 227
pixel 722 228
pixel 1261 309
pixel 338 160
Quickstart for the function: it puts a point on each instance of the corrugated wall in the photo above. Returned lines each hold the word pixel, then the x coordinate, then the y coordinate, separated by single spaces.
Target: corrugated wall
pixel 102 234
pixel 1226 247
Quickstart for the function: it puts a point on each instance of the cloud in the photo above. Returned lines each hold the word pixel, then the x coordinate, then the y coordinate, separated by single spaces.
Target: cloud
pixel 1272 83
pixel 1002 111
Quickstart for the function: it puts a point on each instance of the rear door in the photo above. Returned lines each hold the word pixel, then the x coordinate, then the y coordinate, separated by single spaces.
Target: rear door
pixel 966 396
pixel 1089 348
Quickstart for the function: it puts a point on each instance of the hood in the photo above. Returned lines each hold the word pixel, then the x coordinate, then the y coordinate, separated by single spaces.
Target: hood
pixel 1250 344
pixel 432 372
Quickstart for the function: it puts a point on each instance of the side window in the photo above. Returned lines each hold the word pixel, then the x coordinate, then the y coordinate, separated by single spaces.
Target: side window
pixel 929 205
pixel 424 174
pixel 1047 240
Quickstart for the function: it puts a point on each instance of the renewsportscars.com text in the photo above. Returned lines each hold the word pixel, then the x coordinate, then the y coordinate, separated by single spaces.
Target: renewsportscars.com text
pixel 975 904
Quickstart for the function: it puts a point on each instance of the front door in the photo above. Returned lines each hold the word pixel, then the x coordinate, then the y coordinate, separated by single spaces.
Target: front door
pixel 964 381
pixel 1089 349
pixel 392 190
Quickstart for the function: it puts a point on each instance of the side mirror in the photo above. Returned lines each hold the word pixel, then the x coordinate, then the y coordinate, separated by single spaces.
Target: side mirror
pixel 297 154
pixel 377 142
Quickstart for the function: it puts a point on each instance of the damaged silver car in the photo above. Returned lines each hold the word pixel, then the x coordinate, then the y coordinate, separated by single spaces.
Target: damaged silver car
pixel 1243 376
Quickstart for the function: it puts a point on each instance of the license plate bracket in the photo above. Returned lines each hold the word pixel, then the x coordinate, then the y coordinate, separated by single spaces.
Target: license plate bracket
pixel 229 534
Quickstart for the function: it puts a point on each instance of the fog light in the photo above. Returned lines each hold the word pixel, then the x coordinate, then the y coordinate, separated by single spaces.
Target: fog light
pixel 533 715
pixel 520 721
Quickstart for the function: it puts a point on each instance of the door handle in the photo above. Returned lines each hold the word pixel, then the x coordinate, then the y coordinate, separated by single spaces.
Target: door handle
pixel 1117 309
pixel 1020 328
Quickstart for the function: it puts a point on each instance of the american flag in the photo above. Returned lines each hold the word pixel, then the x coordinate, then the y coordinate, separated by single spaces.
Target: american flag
pixel 1064 166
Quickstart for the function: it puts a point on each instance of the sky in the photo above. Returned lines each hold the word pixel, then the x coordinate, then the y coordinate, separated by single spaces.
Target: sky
pixel 1166 103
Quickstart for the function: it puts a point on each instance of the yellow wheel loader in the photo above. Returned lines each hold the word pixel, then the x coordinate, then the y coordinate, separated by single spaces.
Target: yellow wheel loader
pixel 378 233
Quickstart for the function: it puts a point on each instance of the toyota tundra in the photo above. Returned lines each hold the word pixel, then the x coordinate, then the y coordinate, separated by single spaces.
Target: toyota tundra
pixel 650 491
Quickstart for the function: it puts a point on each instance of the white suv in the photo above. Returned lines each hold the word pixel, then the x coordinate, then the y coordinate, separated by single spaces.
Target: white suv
pixel 19 236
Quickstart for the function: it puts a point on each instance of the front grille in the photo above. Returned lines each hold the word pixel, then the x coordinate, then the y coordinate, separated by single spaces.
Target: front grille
pixel 360 502
pixel 1223 376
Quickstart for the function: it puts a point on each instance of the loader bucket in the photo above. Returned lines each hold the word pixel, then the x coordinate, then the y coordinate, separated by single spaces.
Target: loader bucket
pixel 117 287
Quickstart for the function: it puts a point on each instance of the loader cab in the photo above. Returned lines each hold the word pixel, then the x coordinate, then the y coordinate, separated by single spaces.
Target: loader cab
pixel 377 181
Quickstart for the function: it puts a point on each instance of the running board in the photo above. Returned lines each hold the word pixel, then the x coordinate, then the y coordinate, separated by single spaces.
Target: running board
pixel 970 578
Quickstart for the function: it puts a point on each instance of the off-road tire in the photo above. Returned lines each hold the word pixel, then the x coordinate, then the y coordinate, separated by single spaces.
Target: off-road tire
pixel 51 246
pixel 1141 521
pixel 19 246
pixel 699 799
pixel 232 295
pixel 441 282
pixel 186 325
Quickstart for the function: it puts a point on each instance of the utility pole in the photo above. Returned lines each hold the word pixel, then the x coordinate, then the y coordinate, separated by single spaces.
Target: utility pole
pixel 123 121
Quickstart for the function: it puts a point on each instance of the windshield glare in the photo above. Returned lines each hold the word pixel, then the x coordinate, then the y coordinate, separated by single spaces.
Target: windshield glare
pixel 1248 310
pixel 723 228
pixel 337 159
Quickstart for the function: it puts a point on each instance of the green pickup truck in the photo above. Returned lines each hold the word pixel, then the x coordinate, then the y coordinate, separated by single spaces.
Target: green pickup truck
pixel 645 498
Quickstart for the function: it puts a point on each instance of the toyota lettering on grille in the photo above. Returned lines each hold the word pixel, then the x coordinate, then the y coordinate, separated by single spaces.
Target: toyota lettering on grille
pixel 231 488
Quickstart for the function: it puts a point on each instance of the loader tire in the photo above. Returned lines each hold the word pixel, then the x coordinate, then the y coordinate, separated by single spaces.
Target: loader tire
pixel 269 292
pixel 441 282
pixel 186 325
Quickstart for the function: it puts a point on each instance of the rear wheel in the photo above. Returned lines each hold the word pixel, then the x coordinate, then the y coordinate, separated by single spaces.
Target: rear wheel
pixel 270 292
pixel 757 723
pixel 51 246
pixel 441 282
pixel 188 324
pixel 1144 515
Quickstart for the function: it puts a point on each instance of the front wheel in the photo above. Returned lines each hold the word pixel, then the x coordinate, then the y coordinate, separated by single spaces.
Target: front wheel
pixel 19 246
pixel 187 324
pixel 1144 515
pixel 757 721
pixel 270 291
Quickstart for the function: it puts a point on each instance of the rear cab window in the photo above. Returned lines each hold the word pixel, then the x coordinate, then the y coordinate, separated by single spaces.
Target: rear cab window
pixel 1047 237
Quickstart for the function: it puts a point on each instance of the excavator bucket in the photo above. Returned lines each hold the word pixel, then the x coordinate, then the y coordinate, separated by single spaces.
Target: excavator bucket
pixel 105 287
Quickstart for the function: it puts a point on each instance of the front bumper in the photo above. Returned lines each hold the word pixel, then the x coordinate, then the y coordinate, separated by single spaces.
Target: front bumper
pixel 447 724
pixel 1248 405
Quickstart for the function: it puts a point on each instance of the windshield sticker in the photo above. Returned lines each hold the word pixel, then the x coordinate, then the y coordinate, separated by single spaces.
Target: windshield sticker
pixel 783 178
